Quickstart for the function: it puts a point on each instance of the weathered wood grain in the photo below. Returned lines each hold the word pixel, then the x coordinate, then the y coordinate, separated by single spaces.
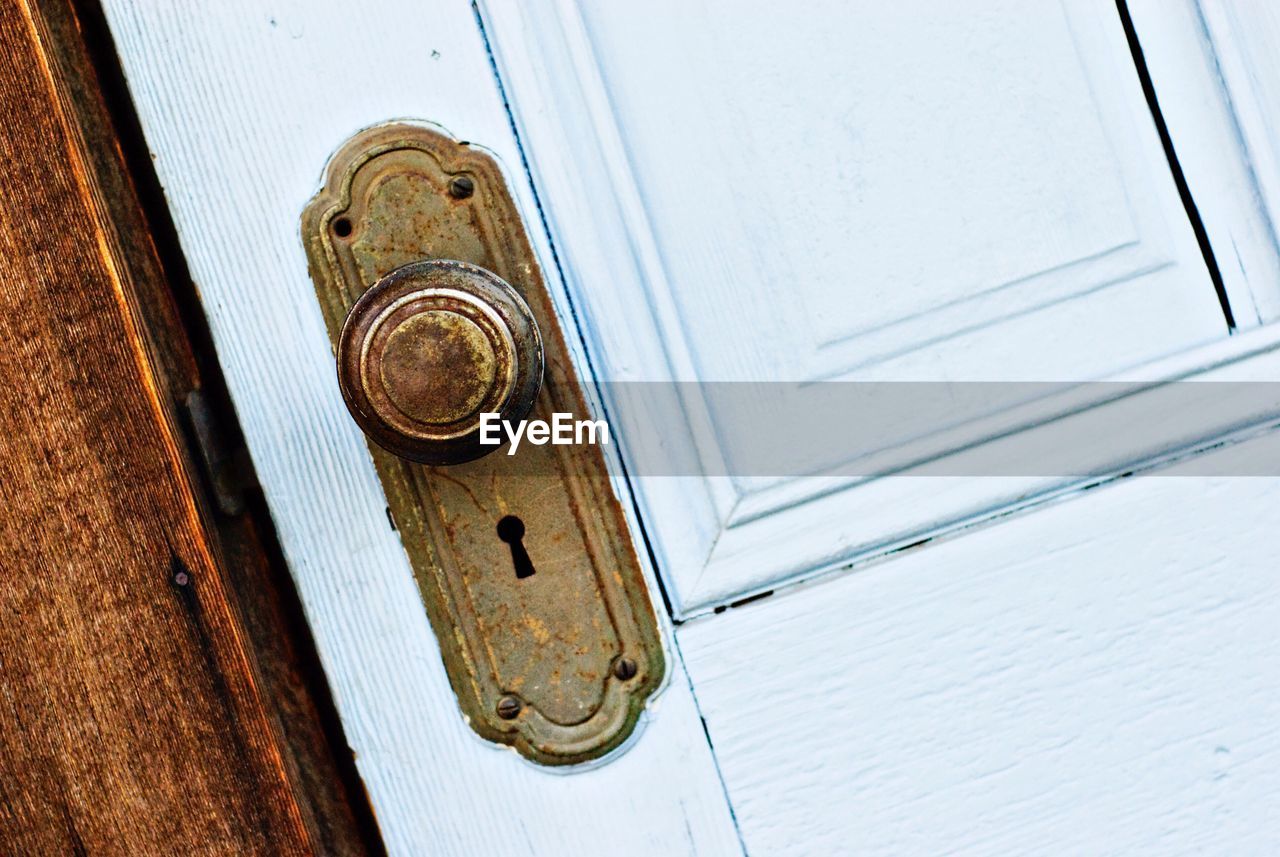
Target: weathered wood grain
pixel 137 712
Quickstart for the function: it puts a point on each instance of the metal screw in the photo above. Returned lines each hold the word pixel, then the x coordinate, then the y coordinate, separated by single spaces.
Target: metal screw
pixel 508 707
pixel 461 187
pixel 625 669
pixel 181 578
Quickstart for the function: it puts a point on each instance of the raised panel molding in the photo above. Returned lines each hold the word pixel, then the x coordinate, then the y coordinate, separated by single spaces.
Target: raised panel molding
pixel 634 198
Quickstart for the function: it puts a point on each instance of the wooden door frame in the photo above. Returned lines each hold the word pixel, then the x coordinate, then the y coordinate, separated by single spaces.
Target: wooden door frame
pixel 158 689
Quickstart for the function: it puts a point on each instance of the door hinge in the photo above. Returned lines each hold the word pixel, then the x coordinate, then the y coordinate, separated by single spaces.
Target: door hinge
pixel 223 464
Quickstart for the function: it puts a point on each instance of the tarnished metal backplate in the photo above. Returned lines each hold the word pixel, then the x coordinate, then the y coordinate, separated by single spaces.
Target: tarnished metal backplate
pixel 557 663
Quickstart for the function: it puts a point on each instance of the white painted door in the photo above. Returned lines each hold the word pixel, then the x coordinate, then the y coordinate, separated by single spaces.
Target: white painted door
pixel 816 193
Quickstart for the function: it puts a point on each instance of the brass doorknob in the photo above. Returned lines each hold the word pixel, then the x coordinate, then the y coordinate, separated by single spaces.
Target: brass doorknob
pixel 428 349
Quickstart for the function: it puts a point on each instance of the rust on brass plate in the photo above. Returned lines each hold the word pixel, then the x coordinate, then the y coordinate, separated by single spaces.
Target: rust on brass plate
pixel 428 349
pixel 528 573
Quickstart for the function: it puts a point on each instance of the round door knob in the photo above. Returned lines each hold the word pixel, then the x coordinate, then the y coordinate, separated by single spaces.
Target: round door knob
pixel 428 349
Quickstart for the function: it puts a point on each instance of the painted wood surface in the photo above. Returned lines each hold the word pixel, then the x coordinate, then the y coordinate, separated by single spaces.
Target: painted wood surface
pixel 241 105
pixel 273 92
pixel 151 699
pixel 859 191
pixel 1207 111
pixel 1096 677
pixel 1244 36
pixel 881 516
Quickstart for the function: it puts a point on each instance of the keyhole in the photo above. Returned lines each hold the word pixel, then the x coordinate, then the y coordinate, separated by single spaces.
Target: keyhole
pixel 511 531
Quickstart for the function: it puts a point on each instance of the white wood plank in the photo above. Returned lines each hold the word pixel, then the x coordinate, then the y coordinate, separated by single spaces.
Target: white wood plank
pixel 1098 677
pixel 1207 116
pixel 1244 35
pixel 874 191
pixel 242 103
